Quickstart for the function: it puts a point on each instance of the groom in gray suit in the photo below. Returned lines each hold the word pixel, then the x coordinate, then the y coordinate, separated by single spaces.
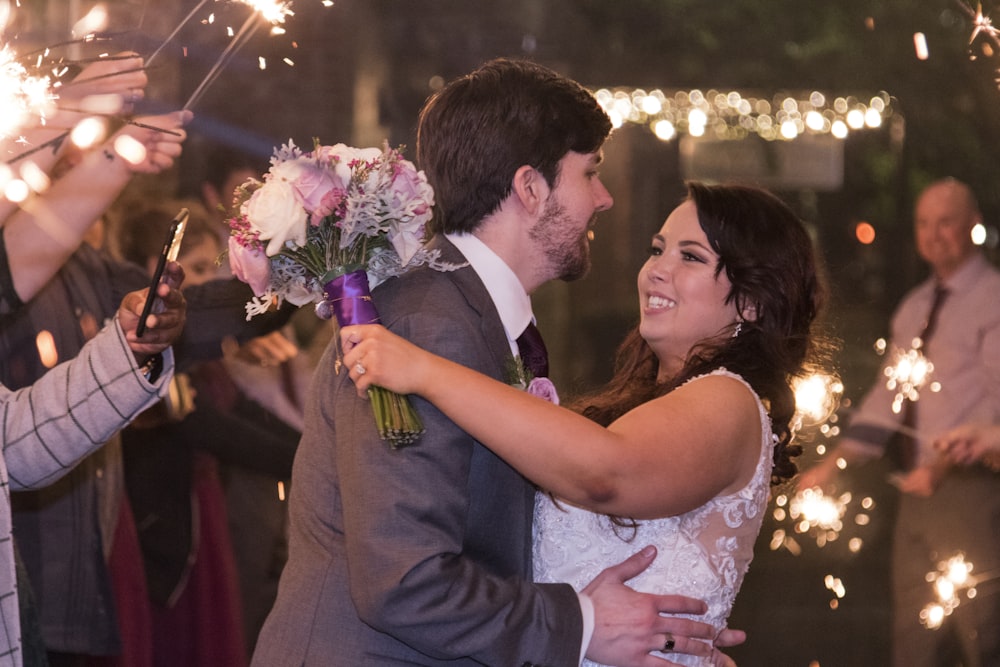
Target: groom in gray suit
pixel 422 555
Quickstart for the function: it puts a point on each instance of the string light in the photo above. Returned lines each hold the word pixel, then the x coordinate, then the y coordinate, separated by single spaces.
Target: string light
pixel 736 115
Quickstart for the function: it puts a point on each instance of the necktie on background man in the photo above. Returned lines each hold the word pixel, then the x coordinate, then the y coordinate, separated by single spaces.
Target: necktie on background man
pixel 531 347
pixel 908 441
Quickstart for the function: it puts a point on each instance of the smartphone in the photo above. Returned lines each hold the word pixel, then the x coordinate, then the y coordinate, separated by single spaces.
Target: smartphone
pixel 171 248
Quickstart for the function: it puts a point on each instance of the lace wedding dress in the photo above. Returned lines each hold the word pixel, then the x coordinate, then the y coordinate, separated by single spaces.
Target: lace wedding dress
pixel 701 554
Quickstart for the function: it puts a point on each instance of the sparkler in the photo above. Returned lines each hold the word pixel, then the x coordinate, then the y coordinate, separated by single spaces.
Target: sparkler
pixel 952 578
pixel 982 25
pixel 24 99
pixel 817 397
pixel 822 516
pixel 810 511
pixel 171 36
pixel 97 105
pixel 909 372
pixel 271 11
pixel 952 582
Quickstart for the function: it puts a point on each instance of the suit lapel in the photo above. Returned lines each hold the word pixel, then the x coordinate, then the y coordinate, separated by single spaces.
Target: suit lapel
pixel 517 534
pixel 478 298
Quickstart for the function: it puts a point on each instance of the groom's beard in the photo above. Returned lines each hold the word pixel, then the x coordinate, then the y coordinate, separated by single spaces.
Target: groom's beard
pixel 566 247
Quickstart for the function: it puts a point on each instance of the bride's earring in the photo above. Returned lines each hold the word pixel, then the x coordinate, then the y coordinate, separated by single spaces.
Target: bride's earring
pixel 738 329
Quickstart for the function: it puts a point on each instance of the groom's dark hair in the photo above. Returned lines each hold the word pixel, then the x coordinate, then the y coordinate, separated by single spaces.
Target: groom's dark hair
pixel 476 132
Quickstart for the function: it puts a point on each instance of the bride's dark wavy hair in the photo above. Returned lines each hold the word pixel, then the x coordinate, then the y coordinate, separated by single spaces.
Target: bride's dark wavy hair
pixel 770 262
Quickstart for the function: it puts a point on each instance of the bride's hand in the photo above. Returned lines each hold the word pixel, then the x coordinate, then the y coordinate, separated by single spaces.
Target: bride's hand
pixel 373 355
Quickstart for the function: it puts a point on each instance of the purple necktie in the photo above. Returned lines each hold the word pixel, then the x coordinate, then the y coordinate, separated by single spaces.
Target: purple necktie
pixel 532 350
pixel 908 443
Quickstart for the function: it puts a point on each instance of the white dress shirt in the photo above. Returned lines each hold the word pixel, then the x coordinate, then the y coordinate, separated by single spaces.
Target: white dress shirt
pixel 514 307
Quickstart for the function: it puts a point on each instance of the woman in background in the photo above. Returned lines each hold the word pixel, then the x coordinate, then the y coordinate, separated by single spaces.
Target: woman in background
pixel 173 483
pixel 186 460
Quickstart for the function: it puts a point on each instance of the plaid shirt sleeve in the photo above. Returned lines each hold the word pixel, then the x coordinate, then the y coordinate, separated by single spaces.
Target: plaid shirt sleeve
pixel 48 427
pixel 74 408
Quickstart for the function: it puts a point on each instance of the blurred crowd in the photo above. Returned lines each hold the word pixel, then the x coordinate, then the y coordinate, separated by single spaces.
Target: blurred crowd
pixel 164 546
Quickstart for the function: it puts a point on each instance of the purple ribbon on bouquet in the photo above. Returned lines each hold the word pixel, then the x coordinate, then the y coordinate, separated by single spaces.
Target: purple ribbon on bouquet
pixel 351 299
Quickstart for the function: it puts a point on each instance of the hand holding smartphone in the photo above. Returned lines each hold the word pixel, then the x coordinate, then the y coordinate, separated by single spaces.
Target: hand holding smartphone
pixel 171 248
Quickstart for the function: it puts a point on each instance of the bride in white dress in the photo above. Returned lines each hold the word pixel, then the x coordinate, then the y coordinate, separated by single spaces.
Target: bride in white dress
pixel 702 554
pixel 680 448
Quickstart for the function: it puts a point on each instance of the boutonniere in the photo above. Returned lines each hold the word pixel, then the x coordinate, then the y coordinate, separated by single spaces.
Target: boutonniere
pixel 520 377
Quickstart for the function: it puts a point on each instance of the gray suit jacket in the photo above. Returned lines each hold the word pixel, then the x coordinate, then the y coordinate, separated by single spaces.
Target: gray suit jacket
pixel 417 556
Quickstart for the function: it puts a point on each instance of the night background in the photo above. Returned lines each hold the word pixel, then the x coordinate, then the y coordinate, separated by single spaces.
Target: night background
pixel 362 69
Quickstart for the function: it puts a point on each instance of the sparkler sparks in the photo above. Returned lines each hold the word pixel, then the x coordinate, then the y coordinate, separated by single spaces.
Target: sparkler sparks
pixel 952 578
pixel 835 586
pixel 817 397
pixel 272 11
pixel 909 372
pixel 823 517
pixel 810 511
pixel 24 99
pixel 176 30
pixel 981 25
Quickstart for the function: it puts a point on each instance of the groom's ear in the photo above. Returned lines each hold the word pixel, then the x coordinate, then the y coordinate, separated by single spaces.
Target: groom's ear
pixel 530 188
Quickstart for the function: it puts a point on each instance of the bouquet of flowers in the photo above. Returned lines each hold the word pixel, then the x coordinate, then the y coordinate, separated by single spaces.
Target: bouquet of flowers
pixel 326 227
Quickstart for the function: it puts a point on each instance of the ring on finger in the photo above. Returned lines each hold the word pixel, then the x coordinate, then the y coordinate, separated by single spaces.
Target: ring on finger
pixel 360 368
pixel 669 644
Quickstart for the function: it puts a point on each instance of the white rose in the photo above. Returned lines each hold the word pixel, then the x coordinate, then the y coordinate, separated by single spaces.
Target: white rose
pixel 276 213
pixel 346 155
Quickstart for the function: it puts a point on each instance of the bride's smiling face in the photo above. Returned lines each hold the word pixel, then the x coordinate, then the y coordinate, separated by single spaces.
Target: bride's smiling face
pixel 682 296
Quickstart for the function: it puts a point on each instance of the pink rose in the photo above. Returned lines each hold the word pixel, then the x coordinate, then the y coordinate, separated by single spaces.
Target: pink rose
pixel 543 388
pixel 316 187
pixel 250 265
pixel 410 191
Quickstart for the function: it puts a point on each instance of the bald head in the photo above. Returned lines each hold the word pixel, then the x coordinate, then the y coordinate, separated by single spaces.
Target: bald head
pixel 945 213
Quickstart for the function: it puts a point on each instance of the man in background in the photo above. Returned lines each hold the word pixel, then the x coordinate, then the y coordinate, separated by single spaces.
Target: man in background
pixel 944 509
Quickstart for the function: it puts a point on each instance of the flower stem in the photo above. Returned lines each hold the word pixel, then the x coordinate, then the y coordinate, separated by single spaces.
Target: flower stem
pixel 397 422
